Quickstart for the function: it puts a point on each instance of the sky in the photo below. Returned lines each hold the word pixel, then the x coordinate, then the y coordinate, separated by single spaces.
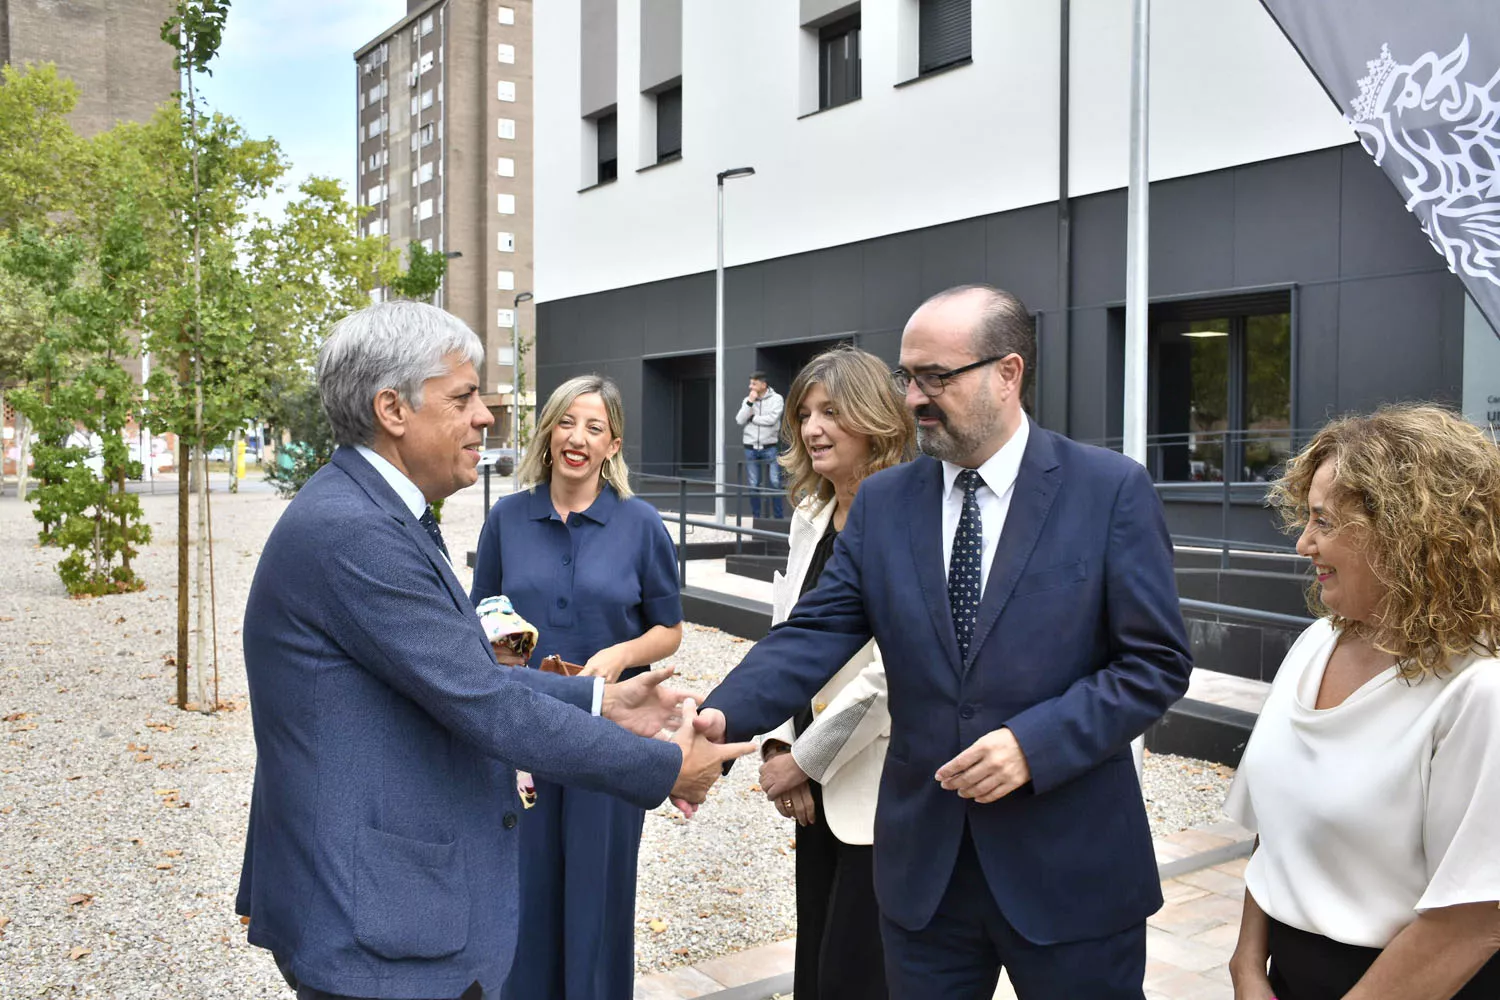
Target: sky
pixel 285 70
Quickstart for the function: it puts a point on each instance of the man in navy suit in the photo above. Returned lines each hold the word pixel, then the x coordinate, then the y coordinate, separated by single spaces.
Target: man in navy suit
pixel 1020 587
pixel 381 855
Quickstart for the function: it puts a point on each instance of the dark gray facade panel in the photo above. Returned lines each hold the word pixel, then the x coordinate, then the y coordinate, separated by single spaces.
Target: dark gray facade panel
pixel 1390 341
pixel 1317 386
pixel 1192 234
pixel 661 42
pixel 788 291
pixel 952 254
pixel 1020 254
pixel 1286 220
pixel 1099 247
pixel 745 306
pixel 892 281
pixel 1377 317
pixel 837 282
pixel 599 55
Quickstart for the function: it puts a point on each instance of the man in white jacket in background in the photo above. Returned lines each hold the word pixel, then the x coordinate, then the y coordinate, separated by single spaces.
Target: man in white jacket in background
pixel 760 415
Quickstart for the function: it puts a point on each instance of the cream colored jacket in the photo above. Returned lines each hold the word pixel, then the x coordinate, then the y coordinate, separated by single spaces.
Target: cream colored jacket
pixel 844 748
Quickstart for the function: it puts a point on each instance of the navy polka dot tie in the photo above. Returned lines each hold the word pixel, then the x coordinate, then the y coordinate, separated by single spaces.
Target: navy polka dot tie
pixel 430 523
pixel 965 564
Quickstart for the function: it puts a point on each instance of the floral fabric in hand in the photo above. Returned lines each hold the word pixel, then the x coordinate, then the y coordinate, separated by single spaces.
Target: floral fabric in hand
pixel 507 631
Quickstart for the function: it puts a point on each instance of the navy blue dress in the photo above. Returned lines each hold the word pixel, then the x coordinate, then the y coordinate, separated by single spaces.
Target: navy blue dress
pixel 606 576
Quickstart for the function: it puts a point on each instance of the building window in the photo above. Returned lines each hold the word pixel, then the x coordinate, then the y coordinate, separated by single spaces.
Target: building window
pixel 608 148
pixel 505 281
pixel 505 167
pixel 507 53
pixel 505 204
pixel 507 128
pixel 425 63
pixel 505 242
pixel 426 134
pixel 839 63
pixel 427 98
pixel 376 126
pixel 668 125
pixel 424 210
pixel 1222 390
pixel 427 25
pixel 505 318
pixel 507 15
pixel 505 90
pixel 505 355
pixel 943 34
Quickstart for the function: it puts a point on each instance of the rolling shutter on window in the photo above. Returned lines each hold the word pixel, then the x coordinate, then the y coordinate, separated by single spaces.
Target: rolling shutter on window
pixel 944 34
pixel 669 123
pixel 606 137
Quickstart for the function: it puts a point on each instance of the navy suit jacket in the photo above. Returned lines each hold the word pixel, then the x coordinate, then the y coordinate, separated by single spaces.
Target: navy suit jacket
pixel 381 854
pixel 1078 648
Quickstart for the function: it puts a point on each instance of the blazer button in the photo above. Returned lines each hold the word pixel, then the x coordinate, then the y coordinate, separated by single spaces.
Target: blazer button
pixel 567 560
pixel 820 707
pixel 562 602
pixel 509 822
pixel 966 712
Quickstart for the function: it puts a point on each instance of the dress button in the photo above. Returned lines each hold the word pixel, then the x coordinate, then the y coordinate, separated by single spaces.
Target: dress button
pixel 967 712
pixel 509 822
pixel 562 602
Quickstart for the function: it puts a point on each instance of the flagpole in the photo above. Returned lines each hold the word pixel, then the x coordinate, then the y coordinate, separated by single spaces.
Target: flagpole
pixel 1137 252
pixel 1137 236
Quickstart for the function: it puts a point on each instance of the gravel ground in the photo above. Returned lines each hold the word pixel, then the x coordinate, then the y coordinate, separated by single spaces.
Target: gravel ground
pixel 122 818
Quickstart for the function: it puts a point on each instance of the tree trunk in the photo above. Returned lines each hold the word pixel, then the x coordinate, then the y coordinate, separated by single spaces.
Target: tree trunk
pixel 182 551
pixel 23 454
pixel 200 646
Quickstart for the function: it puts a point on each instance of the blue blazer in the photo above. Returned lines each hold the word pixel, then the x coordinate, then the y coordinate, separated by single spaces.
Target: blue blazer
pixel 1079 647
pixel 381 855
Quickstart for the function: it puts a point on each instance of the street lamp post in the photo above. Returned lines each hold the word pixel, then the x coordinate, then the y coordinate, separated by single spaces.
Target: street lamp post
pixel 515 388
pixel 719 348
pixel 443 280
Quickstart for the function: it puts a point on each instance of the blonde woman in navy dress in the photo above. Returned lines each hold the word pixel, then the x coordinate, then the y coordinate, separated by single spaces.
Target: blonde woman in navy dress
pixel 594 569
pixel 1373 775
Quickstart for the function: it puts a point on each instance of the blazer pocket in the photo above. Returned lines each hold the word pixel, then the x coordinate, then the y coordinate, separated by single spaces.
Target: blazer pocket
pixel 1051 578
pixel 410 897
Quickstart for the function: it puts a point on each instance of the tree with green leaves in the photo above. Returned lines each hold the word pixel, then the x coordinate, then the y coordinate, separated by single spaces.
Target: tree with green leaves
pixel 423 275
pixel 93 300
pixel 40 154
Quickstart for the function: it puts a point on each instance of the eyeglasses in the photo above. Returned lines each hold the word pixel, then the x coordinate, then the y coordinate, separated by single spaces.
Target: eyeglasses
pixel 933 383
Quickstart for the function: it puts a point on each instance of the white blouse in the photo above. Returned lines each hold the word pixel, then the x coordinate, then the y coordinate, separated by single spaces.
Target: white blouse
pixel 1378 808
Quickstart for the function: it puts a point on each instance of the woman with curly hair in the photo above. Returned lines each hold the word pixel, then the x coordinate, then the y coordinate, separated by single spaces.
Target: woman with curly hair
pixel 1373 774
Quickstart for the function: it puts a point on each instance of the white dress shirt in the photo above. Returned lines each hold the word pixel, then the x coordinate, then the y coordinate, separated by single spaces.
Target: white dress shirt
pixel 999 474
pixel 411 495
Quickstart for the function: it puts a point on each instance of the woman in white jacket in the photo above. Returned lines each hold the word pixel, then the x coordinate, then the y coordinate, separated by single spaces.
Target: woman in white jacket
pixel 844 421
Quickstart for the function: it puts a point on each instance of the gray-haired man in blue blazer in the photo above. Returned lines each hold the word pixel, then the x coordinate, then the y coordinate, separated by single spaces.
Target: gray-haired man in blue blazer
pixel 381 855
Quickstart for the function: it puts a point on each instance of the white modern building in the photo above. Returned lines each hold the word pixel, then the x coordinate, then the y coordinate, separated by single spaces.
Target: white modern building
pixel 904 146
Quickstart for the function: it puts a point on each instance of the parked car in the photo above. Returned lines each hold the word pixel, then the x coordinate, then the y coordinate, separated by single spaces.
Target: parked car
pixel 502 460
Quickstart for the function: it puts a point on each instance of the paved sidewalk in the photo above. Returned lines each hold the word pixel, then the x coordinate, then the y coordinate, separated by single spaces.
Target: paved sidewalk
pixel 1188 942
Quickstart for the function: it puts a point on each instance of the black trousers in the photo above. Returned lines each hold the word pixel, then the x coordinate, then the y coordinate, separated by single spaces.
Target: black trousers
pixel 839 956
pixel 1308 966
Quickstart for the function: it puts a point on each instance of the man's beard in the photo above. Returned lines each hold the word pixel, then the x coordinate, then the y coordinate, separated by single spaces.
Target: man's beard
pixel 950 444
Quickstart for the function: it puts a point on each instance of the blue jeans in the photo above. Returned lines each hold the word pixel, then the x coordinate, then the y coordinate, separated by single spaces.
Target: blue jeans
pixel 756 461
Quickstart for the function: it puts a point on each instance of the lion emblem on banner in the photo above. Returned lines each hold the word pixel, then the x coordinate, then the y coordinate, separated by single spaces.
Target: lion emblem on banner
pixel 1446 132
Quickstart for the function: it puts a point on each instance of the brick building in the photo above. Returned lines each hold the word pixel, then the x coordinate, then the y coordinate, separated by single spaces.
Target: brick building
pixel 445 154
